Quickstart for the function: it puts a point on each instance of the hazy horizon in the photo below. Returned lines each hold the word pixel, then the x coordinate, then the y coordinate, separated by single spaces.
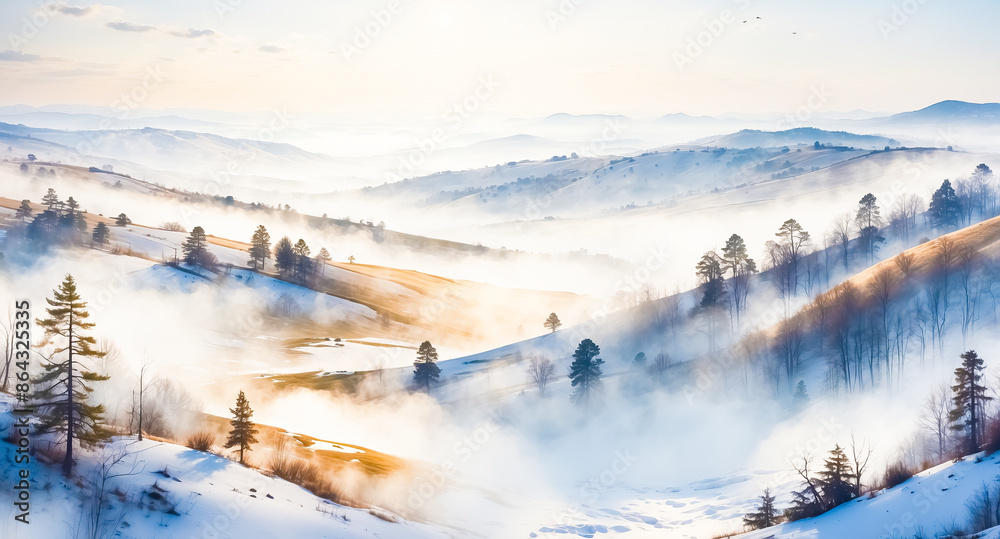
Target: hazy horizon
pixel 568 56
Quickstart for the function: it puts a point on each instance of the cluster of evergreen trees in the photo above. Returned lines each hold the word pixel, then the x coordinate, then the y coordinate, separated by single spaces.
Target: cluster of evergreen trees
pixel 60 223
pixel 292 260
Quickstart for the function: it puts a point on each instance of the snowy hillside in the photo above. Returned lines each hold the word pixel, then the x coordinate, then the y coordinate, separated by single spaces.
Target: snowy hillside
pixel 933 503
pixel 169 490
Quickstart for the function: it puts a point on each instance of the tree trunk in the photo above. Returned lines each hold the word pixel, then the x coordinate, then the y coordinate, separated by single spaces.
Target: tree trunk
pixel 141 371
pixel 68 460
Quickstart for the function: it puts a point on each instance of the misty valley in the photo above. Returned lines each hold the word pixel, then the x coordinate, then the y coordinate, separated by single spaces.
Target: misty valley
pixel 401 270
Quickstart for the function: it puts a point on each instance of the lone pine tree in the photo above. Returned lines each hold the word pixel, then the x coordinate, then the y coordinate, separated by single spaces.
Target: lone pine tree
pixel 968 415
pixel 63 390
pixel 426 372
pixel 585 371
pixel 242 435
pixel 945 209
pixel 837 479
pixel 552 322
pixel 195 247
pixel 801 397
pixel 766 514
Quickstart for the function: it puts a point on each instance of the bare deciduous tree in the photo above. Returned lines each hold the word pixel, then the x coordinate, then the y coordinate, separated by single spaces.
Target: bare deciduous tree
pixel 968 263
pixel 7 333
pixel 861 454
pixel 789 344
pixel 934 419
pixel 840 237
pixel 660 364
pixel 540 371
pixel 93 521
pixel 938 293
pixel 904 263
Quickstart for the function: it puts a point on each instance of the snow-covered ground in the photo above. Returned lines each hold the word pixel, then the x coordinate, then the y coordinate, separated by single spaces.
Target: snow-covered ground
pixel 930 504
pixel 173 491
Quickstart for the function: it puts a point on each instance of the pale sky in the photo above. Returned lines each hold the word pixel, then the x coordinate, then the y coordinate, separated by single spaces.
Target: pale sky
pixel 545 56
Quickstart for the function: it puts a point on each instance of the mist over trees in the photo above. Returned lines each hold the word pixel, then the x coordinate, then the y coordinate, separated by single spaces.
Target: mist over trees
pixel 195 249
pixel 865 330
pixel 968 415
pixel 260 247
pixel 585 372
pixel 552 323
pixel 426 373
pixel 63 392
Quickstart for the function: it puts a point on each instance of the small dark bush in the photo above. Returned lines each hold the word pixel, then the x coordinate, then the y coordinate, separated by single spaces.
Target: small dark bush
pixel 293 470
pixel 992 436
pixel 896 473
pixel 984 511
pixel 201 441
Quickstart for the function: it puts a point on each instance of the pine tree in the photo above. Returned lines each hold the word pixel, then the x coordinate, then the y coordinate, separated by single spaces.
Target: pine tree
pixel 101 234
pixel 284 256
pixel 73 218
pixel 24 210
pixel 837 479
pixel 736 260
pixel 64 388
pixel 195 247
pixel 801 397
pixel 123 220
pixel 709 270
pixel 552 322
pixel 868 219
pixel 640 360
pixel 793 238
pixel 585 371
pixel 51 200
pixel 302 261
pixel 970 400
pixel 71 205
pixel 242 435
pixel 43 230
pixel 323 258
pixel 260 247
pixel 426 371
pixel 946 208
pixel 766 514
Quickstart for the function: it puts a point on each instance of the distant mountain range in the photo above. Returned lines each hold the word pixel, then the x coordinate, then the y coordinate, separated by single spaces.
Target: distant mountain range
pixel 950 112
pixel 752 138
